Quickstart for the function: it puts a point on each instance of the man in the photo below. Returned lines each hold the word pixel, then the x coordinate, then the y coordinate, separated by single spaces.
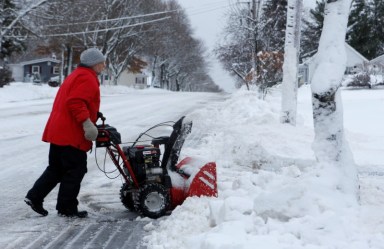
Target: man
pixel 70 131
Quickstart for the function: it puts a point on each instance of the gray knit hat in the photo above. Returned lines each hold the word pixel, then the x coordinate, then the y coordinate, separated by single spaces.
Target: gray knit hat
pixel 91 57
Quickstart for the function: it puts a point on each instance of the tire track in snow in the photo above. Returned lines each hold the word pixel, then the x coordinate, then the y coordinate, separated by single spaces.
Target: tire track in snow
pixel 109 235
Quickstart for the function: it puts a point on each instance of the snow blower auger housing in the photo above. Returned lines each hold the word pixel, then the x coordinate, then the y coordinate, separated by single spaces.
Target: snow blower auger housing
pixel 153 184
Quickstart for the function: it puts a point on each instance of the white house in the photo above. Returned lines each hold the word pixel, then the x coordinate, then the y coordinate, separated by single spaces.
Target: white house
pixel 136 80
pixel 126 78
pixel 355 61
pixel 376 65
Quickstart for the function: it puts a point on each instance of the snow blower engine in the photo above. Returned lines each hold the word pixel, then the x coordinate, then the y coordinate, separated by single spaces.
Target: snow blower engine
pixel 155 183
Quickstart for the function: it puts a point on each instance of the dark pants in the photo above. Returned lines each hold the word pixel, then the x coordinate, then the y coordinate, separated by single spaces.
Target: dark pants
pixel 67 166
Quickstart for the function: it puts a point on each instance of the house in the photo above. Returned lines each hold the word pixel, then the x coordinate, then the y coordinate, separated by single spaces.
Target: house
pixel 134 75
pixel 126 78
pixel 376 65
pixel 355 62
pixel 38 70
pixel 136 80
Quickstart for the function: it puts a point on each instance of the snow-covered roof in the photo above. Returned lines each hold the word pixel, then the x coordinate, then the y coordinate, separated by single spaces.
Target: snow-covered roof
pixel 379 59
pixel 39 61
pixel 353 57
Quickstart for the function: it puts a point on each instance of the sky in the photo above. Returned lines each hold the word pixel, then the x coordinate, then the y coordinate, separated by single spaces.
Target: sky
pixel 208 19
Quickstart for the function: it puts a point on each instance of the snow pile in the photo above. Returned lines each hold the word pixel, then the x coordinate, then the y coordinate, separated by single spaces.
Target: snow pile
pixel 272 193
pixel 19 92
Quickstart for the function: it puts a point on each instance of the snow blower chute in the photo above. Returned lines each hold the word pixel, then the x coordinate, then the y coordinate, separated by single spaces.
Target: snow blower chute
pixel 153 184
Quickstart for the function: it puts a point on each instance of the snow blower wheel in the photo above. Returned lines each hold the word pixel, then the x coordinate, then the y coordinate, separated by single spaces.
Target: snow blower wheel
pixel 126 198
pixel 153 201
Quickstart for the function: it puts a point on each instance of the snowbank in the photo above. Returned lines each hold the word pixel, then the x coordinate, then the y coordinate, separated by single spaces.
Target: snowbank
pixel 21 92
pixel 272 194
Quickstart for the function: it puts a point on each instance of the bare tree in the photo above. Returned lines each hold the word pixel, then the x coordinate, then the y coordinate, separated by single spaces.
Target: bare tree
pixel 330 145
pixel 11 28
pixel 176 57
pixel 116 27
pixel 254 33
pixel 61 26
pixel 237 49
pixel 132 34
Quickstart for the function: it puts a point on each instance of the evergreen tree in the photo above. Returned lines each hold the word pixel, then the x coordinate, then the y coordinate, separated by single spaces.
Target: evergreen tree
pixel 310 34
pixel 377 17
pixel 11 37
pixel 361 34
pixel 273 20
pixel 365 28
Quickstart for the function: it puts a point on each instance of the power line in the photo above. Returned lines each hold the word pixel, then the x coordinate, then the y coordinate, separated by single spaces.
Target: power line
pixel 210 7
pixel 111 20
pixel 197 12
pixel 202 6
pixel 107 29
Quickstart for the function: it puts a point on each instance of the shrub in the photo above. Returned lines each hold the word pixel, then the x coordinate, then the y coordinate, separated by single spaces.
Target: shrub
pixel 361 80
pixel 5 76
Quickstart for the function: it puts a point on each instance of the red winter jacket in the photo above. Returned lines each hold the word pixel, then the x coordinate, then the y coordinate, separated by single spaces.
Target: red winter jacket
pixel 77 99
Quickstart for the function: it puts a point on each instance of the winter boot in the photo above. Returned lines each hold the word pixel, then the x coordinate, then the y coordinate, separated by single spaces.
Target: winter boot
pixel 37 207
pixel 77 214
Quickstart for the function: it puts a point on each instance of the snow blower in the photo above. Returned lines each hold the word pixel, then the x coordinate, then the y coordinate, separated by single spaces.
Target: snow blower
pixel 154 182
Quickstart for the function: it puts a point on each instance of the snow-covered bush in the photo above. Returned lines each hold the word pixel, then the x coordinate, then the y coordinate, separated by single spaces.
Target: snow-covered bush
pixel 5 76
pixel 362 79
pixel 367 77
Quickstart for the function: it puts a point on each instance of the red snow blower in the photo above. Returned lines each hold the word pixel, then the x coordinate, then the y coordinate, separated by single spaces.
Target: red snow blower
pixel 154 184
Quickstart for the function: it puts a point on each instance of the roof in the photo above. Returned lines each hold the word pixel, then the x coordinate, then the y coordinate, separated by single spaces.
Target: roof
pixel 379 59
pixel 356 52
pixel 39 61
pixel 353 57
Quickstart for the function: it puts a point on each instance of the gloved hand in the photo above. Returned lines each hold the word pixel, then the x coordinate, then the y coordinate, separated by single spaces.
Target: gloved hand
pixel 90 130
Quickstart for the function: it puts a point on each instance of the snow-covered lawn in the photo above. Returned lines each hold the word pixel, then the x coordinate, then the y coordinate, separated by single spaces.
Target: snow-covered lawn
pixel 269 194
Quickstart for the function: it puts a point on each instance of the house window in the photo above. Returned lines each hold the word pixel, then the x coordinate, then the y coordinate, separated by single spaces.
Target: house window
pixel 35 69
pixel 56 70
pixel 140 80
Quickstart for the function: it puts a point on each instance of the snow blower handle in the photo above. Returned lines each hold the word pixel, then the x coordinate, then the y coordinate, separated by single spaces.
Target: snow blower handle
pixel 101 116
